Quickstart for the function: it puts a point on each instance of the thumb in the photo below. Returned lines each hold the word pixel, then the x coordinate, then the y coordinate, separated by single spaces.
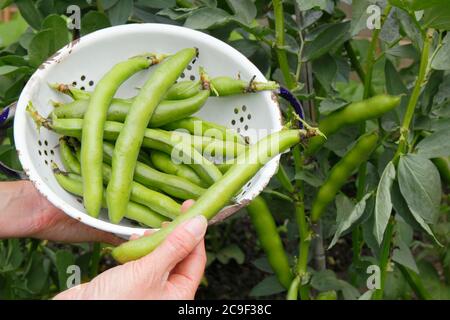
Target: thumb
pixel 180 243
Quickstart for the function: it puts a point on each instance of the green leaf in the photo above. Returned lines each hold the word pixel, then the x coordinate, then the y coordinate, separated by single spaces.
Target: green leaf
pixel 205 18
pixel 325 69
pixel 410 28
pixel 310 178
pixel 120 12
pixel 442 59
pixel 416 5
pixel 383 202
pixel 231 252
pixel 93 21
pixel 327 106
pixel 390 31
pixel 263 265
pixel 11 31
pixel 267 287
pixel 64 259
pixel 38 273
pixel 435 145
pixel 60 34
pixel 326 280
pixel 367 295
pixel 244 10
pixel 402 255
pixel 30 13
pixel 40 47
pixel 360 15
pixel 437 17
pixel 394 82
pixel 157 4
pixel 305 5
pixel 420 185
pixel 348 217
pixel 329 37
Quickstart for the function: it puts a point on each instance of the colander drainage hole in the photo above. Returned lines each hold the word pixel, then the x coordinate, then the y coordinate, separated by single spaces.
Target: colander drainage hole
pixel 192 77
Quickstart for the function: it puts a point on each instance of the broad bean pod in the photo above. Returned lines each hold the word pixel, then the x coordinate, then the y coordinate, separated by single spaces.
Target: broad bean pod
pixel 354 113
pixel 219 194
pixel 94 120
pixel 341 171
pixel 130 138
pixel 73 183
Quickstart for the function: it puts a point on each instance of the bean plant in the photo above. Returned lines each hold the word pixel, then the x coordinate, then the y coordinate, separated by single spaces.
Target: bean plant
pixel 360 214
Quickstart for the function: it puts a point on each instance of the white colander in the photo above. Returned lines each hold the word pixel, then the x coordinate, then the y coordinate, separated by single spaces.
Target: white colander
pixel 84 61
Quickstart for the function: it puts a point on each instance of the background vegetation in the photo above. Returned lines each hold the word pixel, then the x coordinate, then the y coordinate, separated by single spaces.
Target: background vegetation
pixel 322 50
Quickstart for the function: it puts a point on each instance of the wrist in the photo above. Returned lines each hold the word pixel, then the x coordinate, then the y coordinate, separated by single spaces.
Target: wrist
pixel 19 201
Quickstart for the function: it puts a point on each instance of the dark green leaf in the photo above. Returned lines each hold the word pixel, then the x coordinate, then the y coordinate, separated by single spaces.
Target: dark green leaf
pixel 416 5
pixel 5 3
pixel 157 4
pixel 390 31
pixel 410 28
pixel 329 105
pixel 30 13
pixel 267 287
pixel 46 7
pixel 436 145
pixel 348 216
pixel 437 17
pixel 325 69
pixel 60 34
pixel 205 18
pixel 442 59
pixel 394 82
pixel 38 274
pixel 360 15
pixel 244 10
pixel 263 265
pixel 64 259
pixel 383 202
pixel 330 37
pixel 402 255
pixel 304 5
pixel 420 185
pixel 120 12
pixel 326 280
pixel 93 21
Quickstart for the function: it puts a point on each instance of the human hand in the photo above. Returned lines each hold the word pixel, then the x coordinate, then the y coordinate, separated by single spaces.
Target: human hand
pixel 24 212
pixel 172 271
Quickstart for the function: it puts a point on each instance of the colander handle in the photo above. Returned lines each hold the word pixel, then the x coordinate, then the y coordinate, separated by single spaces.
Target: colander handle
pixel 295 103
pixel 7 114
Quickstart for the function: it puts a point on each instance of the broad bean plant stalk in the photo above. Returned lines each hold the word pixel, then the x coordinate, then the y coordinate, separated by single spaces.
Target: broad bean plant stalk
pixel 362 213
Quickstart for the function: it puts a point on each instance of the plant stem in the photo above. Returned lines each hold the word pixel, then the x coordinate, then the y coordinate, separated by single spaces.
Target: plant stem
pixel 305 241
pixel 279 42
pixel 415 283
pixel 356 65
pixel 384 258
pixel 420 82
pixel 284 179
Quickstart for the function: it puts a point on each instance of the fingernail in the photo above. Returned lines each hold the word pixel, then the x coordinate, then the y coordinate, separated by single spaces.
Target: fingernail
pixel 197 226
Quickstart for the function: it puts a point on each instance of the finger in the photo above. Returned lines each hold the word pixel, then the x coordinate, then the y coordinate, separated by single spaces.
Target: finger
pixel 186 205
pixel 188 273
pixel 179 244
pixel 134 236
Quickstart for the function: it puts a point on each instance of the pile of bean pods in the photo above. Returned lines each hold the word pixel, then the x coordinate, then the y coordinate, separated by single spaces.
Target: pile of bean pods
pixel 128 156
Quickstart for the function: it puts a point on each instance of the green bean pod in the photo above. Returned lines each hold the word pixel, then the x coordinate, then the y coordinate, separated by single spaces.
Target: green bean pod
pixel 170 184
pixel 70 162
pixel 227 86
pixel 154 200
pixel 341 171
pixel 94 120
pixel 270 241
pixel 183 90
pixel 157 139
pixel 199 127
pixel 163 163
pixel 354 113
pixel 129 141
pixel 220 86
pixel 166 112
pixel 73 183
pixel 219 194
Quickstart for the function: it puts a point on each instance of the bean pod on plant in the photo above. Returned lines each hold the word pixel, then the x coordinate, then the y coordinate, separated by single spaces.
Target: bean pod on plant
pixel 341 171
pixel 352 114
